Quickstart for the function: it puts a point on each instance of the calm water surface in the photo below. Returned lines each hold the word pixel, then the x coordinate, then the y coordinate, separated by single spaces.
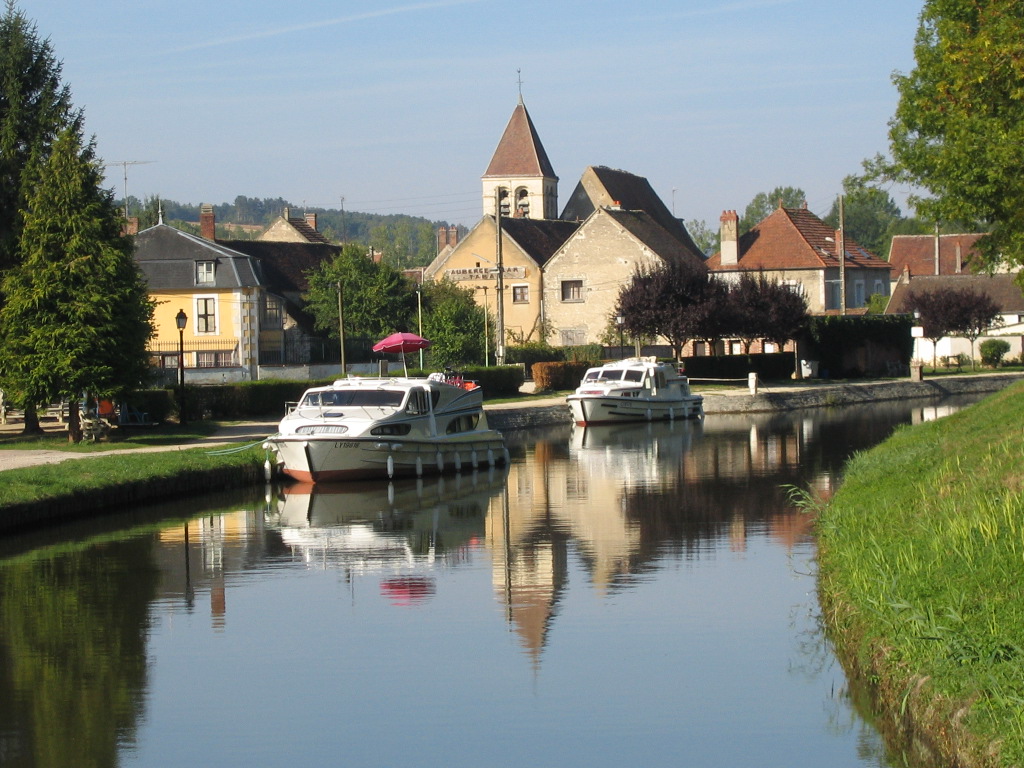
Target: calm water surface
pixel 634 595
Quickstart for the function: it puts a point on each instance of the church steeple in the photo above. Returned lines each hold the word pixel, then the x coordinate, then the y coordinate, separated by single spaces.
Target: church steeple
pixel 520 174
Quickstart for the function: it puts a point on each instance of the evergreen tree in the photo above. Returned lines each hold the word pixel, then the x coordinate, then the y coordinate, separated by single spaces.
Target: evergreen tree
pixel 34 107
pixel 78 316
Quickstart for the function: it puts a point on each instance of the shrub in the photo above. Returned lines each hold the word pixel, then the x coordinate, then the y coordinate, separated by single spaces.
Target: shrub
pixel 993 351
pixel 497 381
pixel 554 376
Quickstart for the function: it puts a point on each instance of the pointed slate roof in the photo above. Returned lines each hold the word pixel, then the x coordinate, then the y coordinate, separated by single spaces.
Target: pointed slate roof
pixel 168 256
pixel 794 238
pixel 539 238
pixel 603 187
pixel 520 152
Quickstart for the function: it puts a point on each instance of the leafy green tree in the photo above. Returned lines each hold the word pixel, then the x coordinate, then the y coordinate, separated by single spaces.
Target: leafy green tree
pixel 376 299
pixel 34 107
pixel 78 316
pixel 454 323
pixel 765 202
pixel 958 130
pixel 869 214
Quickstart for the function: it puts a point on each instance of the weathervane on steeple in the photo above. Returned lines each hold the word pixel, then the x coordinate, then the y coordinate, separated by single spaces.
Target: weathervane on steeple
pixel 519 81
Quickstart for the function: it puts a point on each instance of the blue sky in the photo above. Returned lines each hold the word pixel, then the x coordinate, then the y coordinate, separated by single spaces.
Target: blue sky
pixel 397 105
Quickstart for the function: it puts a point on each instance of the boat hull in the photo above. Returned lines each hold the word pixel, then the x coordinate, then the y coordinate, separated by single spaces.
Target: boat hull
pixel 316 459
pixel 607 409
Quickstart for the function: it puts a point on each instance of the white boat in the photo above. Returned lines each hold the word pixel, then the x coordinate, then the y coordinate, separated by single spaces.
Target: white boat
pixel 634 389
pixel 362 428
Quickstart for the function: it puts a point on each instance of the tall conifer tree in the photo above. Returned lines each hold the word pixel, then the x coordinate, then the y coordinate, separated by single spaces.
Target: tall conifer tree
pixel 34 107
pixel 78 316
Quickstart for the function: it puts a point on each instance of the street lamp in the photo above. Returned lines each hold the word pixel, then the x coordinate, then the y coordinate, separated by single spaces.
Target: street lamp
pixel 619 321
pixel 181 320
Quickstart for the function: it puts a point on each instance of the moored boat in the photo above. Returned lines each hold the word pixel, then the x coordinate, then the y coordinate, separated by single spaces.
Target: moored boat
pixel 364 428
pixel 634 389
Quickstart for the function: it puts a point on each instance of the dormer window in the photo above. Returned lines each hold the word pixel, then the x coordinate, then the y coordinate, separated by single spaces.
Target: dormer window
pixel 205 273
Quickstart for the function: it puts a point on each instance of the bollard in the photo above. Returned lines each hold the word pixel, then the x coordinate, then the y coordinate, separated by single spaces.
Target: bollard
pixel 752 383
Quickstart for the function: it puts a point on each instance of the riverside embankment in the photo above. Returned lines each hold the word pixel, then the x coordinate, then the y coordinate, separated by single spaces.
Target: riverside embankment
pixel 919 557
pixel 112 488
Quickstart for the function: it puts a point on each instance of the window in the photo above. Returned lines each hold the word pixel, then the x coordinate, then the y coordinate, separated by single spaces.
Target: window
pixel 858 293
pixel 880 288
pixel 504 204
pixel 572 290
pixel 206 315
pixel 215 359
pixel 205 273
pixel 520 294
pixel 523 203
pixel 832 292
pixel 273 312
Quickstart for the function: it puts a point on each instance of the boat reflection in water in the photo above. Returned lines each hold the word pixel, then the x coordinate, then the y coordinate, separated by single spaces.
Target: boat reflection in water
pixel 401 529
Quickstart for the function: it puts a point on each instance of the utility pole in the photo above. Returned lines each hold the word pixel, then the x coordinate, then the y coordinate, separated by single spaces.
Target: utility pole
pixel 341 330
pixel 499 330
pixel 841 245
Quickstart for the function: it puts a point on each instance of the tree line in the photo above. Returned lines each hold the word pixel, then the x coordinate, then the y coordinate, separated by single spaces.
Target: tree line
pixel 404 241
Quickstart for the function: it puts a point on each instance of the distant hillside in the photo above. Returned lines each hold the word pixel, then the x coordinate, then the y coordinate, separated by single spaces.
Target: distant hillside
pixel 405 241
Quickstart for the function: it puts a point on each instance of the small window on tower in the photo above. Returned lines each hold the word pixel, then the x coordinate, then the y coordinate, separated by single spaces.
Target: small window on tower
pixel 523 204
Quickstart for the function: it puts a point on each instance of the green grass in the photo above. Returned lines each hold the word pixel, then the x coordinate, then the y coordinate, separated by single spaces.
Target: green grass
pixel 125 437
pixel 921 557
pixel 64 480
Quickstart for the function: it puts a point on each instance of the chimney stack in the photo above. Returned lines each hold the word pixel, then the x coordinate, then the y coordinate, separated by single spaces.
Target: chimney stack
pixel 730 238
pixel 207 222
pixel 311 220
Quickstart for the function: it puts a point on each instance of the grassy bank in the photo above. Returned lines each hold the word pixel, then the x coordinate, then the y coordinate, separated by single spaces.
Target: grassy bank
pixel 921 555
pixel 53 492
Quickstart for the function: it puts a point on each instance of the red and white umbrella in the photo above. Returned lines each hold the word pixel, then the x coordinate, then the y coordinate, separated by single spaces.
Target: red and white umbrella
pixel 402 342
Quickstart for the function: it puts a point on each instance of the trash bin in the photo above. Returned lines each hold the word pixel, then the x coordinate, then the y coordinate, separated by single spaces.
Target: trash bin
pixel 809 369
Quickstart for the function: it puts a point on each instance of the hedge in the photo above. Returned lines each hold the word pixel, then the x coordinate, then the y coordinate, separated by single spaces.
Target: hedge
pixel 550 377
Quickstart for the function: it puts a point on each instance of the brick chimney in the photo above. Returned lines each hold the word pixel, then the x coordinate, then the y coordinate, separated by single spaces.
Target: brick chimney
pixel 730 238
pixel 311 220
pixel 447 236
pixel 207 222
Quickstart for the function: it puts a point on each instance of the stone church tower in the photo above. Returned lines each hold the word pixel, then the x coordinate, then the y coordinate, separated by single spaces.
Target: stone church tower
pixel 520 174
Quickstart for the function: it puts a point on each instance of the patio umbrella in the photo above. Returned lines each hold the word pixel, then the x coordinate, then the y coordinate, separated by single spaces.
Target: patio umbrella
pixel 402 342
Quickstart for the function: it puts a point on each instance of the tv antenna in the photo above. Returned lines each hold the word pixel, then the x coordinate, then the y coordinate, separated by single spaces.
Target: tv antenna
pixel 124 164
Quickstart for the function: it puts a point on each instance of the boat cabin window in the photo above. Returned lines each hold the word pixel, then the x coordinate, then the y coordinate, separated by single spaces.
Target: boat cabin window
pixel 659 379
pixel 633 374
pixel 418 402
pixel 464 423
pixel 379 398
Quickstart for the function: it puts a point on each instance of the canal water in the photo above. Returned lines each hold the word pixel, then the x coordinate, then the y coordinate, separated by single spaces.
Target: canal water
pixel 630 595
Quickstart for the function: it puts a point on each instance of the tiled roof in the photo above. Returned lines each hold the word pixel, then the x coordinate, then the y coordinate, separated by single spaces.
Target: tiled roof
pixel 520 152
pixel 916 254
pixel 284 266
pixel 644 228
pixel 602 187
pixel 539 238
pixel 794 238
pixel 311 235
pixel 1002 287
pixel 168 256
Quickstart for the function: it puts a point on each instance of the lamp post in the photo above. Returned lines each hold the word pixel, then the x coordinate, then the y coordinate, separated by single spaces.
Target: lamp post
pixel 619 320
pixel 181 320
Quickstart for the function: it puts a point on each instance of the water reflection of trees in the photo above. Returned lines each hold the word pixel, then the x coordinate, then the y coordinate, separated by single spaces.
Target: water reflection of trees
pixel 73 653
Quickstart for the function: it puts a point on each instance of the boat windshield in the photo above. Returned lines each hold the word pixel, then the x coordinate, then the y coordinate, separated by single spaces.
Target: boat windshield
pixel 603 374
pixel 381 398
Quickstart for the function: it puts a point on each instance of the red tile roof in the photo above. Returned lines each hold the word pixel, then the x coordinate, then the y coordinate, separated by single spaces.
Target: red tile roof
pixel 794 238
pixel 520 152
pixel 916 254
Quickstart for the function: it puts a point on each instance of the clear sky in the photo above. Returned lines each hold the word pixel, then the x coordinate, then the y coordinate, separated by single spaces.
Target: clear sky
pixel 397 105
